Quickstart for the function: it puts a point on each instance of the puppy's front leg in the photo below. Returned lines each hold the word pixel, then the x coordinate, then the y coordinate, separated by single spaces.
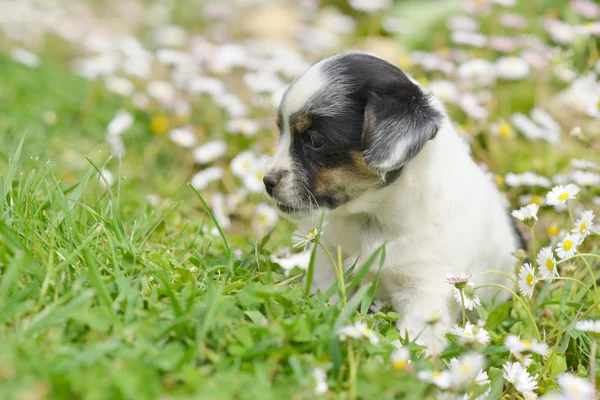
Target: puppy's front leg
pixel 428 313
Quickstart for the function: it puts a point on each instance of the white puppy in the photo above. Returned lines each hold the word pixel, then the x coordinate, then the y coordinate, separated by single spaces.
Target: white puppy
pixel 375 150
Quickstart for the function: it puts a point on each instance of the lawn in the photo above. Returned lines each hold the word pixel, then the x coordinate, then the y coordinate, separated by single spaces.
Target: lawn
pixel 139 258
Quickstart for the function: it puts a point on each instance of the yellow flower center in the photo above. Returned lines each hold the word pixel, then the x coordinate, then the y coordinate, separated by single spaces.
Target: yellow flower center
pixel 537 199
pixel 526 343
pixel 159 124
pixel 529 280
pixel 437 374
pixel 399 364
pixel 262 219
pixel 468 334
pixel 567 244
pixel 423 81
pixel 465 369
pixel 583 227
pixel 260 175
pixel 550 265
pixel 499 180
pixel 563 196
pixel 552 231
pixel 245 165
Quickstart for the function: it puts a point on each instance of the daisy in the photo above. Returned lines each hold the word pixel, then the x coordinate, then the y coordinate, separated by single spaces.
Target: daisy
pixel 120 123
pixel 370 6
pixel 243 163
pixel 246 127
pixel 183 137
pixel 588 325
pixel 547 263
pixel 520 379
pixel 265 217
pixel 540 126
pixel 575 388
pixel 471 334
pixel 585 178
pixel 300 260
pixel 321 386
pixel 527 280
pixel 400 358
pixel 441 379
pixel 560 194
pixel 303 240
pixel 25 57
pixel 527 214
pixel 162 91
pixel 471 299
pixel 465 369
pixel 458 280
pixel 359 330
pixel 584 224
pixel 205 177
pixel 502 129
pixel 568 246
pixel 210 151
pixel 583 164
pixel 519 346
pixel 119 85
pixel 511 68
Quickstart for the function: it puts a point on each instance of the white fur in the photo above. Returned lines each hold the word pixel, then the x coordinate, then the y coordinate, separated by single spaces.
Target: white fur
pixel 442 215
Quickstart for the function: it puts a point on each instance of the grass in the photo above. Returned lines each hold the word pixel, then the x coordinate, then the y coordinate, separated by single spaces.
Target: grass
pixel 106 293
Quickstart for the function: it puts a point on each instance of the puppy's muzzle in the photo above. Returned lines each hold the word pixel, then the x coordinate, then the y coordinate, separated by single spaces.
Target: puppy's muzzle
pixel 271 180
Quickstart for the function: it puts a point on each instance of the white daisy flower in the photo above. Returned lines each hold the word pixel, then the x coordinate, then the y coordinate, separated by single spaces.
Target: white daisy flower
pixel 511 68
pixel 547 263
pixel 300 260
pixel 359 330
pixel 265 217
pixel 471 299
pixel 526 179
pixel 588 325
pixel 210 151
pixel 540 126
pixel 520 379
pixel 370 6
pixel 458 280
pixel 205 177
pixel 183 137
pixel 465 369
pixel 583 164
pixel 300 239
pixel 321 386
pixel 400 358
pixel 568 246
pixel 560 194
pixel 527 214
pixel 243 163
pixel 574 387
pixel 519 346
pixel 120 123
pixel 502 129
pixel 527 280
pixel 441 379
pixel 161 90
pixel 471 334
pixel 119 85
pixel 583 226
pixel 246 127
pixel 585 178
pixel 25 57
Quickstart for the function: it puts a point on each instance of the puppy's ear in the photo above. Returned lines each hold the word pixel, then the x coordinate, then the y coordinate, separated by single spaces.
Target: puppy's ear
pixel 396 127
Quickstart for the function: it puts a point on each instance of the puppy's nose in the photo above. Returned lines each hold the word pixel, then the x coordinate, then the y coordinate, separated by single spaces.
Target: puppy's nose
pixel 271 181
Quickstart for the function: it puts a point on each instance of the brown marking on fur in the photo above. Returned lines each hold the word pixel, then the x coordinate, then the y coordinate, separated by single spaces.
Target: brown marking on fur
pixel 349 180
pixel 302 123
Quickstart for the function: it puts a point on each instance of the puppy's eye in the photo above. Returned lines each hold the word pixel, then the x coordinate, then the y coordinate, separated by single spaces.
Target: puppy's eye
pixel 315 139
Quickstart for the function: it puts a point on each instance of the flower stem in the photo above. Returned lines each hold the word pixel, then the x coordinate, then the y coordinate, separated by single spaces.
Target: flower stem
pixel 566 278
pixel 495 271
pixel 533 247
pixel 462 303
pixel 593 363
pixel 587 265
pixel 339 276
pixel 340 269
pixel 578 255
pixel 352 365
pixel 531 319
pixel 570 214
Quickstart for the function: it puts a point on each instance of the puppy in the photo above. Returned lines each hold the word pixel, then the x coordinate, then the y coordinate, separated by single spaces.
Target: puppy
pixel 377 151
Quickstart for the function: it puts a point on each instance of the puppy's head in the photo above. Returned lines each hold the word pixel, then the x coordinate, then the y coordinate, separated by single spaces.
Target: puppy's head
pixel 348 124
